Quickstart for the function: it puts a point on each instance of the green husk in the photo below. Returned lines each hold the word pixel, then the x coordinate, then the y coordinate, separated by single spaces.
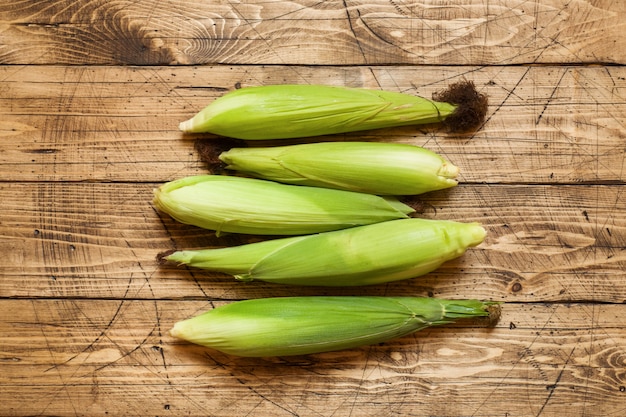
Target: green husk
pixel 304 325
pixel 368 167
pixel 365 255
pixel 293 111
pixel 244 205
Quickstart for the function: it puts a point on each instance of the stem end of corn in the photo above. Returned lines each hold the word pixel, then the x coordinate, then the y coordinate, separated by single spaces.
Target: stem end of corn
pixel 495 311
pixel 210 150
pixel 471 106
pixel 162 257
pixel 415 202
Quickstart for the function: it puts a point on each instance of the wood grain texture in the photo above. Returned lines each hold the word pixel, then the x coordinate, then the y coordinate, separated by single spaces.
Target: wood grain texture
pixel 547 124
pixel 441 32
pixel 91 93
pixel 119 360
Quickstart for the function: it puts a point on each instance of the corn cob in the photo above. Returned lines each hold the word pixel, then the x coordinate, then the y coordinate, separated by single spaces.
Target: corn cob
pixel 294 111
pixel 367 167
pixel 304 325
pixel 365 255
pixel 245 205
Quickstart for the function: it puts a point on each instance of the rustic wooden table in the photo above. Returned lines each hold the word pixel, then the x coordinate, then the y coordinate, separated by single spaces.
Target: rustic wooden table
pixel 91 96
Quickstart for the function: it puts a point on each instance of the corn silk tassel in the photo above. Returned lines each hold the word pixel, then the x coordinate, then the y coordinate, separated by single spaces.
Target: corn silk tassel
pixel 295 111
pixel 252 206
pixel 364 255
pixel 303 325
pixel 368 167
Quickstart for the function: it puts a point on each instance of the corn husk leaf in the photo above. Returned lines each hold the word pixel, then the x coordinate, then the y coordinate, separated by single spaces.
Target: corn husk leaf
pixel 244 205
pixel 304 325
pixel 369 167
pixel 364 255
pixel 293 111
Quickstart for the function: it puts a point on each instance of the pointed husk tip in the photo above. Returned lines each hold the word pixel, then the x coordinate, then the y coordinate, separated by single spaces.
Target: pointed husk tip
pixel 177 330
pixel 476 234
pixel 449 171
pixel 186 126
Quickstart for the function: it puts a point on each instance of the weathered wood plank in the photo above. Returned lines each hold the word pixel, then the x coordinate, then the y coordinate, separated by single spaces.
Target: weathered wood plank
pixel 298 32
pixel 97 240
pixel 115 357
pixel 545 124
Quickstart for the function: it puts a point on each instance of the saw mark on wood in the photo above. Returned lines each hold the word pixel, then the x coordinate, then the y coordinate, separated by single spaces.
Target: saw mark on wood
pixel 355 36
pixel 63 388
pixel 97 339
pixel 592 336
pixel 538 336
pixel 236 373
pixel 362 379
pixel 604 108
pixel 127 352
pixel 549 99
pixel 159 329
pixel 510 93
pixel 552 388
pixel 268 43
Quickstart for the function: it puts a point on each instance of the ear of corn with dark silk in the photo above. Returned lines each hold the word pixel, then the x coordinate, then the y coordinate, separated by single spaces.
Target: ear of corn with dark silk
pixel 365 255
pixel 304 325
pixel 369 167
pixel 244 205
pixel 293 111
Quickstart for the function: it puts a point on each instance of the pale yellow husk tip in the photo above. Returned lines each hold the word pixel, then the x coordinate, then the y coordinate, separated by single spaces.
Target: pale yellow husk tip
pixel 186 126
pixel 449 171
pixel 176 330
